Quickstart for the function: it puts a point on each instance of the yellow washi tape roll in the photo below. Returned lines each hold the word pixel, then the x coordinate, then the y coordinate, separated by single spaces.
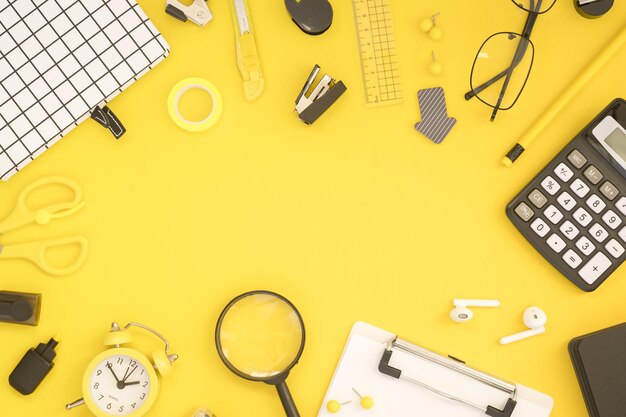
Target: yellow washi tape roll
pixel 181 88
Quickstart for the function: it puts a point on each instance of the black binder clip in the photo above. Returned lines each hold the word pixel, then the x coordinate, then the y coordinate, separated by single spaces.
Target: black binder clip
pixel 198 11
pixel 491 411
pixel 310 107
pixel 109 120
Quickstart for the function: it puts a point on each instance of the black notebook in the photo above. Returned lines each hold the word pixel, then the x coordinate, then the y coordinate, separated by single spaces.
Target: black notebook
pixel 600 362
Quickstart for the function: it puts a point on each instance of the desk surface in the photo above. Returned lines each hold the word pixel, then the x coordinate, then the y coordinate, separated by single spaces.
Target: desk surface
pixel 357 217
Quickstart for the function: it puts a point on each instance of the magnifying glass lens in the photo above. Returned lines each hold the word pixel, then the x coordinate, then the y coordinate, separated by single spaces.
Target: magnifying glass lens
pixel 261 335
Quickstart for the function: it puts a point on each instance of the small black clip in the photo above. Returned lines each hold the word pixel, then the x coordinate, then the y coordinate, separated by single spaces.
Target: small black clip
pixel 385 368
pixel 109 120
pixel 506 412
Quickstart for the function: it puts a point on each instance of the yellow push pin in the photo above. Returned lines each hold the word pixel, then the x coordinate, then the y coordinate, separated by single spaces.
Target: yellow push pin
pixel 333 406
pixel 435 67
pixel 367 402
pixel 429 25
pixel 426 24
pixel 436 33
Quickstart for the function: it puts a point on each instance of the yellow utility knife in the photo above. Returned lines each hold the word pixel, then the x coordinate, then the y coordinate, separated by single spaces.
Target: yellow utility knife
pixel 247 56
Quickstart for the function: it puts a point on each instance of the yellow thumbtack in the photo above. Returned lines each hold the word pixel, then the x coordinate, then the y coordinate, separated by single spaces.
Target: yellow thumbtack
pixel 429 25
pixel 334 406
pixel 435 67
pixel 436 33
pixel 426 24
pixel 367 402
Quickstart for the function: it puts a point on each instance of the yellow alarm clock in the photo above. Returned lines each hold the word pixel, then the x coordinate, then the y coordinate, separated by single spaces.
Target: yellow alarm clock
pixel 122 381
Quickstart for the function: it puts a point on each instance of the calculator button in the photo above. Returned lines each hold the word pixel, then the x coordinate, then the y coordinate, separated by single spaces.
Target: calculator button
pixel 579 188
pixel 563 172
pixel 594 268
pixel 598 232
pixel 566 201
pixel 537 198
pixel 614 248
pixel 550 185
pixel 569 230
pixel 582 216
pixel 585 246
pixel 577 159
pixel 540 227
pixel 572 259
pixel 595 203
pixel 621 205
pixel 556 243
pixel 611 219
pixel 524 212
pixel 622 234
pixel 553 214
pixel 593 175
pixel 609 190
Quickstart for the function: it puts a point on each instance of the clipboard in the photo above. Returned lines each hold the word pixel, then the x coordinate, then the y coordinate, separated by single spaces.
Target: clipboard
pixel 427 384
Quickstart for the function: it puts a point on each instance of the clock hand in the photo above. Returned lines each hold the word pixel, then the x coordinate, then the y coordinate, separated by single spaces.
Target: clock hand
pixel 113 372
pixel 125 373
pixel 120 384
pixel 132 383
pixel 128 376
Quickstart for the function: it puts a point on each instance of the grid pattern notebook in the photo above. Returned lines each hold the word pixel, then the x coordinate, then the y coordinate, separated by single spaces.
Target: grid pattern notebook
pixel 59 59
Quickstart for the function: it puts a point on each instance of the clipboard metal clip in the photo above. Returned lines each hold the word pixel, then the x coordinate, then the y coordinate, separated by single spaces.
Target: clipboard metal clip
pixel 198 12
pixel 454 365
pixel 310 107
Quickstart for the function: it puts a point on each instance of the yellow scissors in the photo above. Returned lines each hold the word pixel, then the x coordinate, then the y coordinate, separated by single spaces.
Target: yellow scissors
pixel 23 215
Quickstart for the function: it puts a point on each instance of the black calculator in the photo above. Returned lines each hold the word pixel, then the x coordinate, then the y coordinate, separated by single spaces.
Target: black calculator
pixel 574 211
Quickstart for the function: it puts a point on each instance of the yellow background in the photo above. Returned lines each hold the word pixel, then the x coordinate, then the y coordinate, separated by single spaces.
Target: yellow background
pixel 357 217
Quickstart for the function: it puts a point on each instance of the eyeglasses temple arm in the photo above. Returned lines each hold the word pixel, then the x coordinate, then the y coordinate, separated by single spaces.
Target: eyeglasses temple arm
pixel 519 54
pixel 472 93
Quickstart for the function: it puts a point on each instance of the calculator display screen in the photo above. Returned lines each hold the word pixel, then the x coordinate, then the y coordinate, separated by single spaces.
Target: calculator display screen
pixel 617 141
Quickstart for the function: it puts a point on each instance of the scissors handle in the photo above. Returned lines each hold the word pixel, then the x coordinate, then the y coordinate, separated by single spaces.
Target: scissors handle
pixel 36 252
pixel 23 215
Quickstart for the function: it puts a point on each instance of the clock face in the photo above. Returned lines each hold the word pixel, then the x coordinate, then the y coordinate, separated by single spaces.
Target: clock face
pixel 119 385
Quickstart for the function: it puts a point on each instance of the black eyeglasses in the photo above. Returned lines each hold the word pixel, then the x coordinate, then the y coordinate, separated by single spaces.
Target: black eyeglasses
pixel 503 62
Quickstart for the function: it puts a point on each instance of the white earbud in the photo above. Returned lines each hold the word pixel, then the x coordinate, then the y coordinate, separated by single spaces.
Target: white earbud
pixel 535 319
pixel 461 313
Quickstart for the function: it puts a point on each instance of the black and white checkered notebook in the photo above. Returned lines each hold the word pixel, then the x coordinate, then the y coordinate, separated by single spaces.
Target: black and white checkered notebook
pixel 59 59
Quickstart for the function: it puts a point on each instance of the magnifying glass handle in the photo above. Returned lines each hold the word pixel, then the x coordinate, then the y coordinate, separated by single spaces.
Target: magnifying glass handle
pixel 285 397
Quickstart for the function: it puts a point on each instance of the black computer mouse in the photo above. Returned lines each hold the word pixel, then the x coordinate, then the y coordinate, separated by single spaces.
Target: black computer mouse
pixel 312 16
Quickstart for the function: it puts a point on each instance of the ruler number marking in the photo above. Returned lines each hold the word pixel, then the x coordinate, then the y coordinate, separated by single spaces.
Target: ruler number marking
pixel 377 50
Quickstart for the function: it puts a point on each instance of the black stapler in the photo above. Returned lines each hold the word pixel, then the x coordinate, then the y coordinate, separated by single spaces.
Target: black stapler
pixel 310 107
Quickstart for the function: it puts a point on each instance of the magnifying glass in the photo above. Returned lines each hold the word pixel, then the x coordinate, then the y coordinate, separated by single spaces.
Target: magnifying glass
pixel 260 337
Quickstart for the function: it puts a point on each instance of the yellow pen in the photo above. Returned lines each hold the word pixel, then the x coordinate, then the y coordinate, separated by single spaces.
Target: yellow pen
pixel 565 97
pixel 247 55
